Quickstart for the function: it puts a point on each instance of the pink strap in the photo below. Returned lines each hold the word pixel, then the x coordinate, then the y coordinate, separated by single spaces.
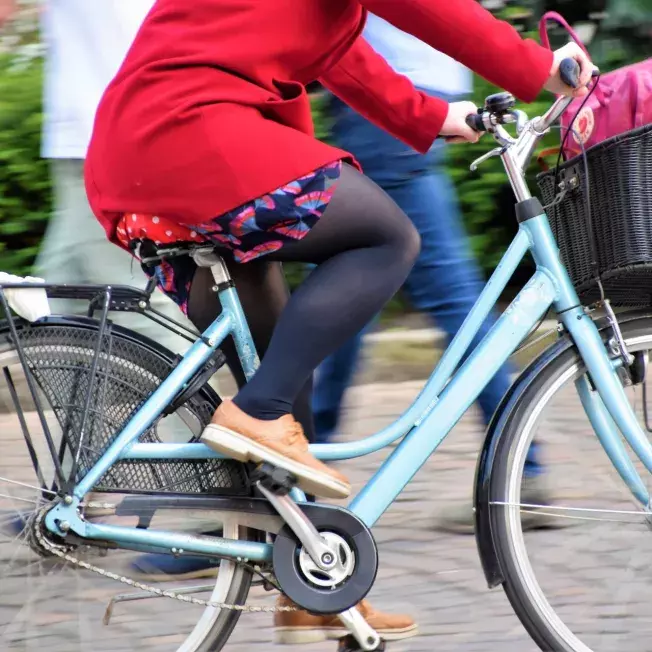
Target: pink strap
pixel 638 91
pixel 560 20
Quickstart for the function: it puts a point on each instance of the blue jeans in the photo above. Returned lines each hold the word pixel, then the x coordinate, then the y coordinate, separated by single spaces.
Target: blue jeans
pixel 445 281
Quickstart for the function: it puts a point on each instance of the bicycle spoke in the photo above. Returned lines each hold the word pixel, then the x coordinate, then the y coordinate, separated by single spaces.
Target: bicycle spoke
pixel 554 510
pixel 22 500
pixel 20 547
pixel 28 486
pixel 36 563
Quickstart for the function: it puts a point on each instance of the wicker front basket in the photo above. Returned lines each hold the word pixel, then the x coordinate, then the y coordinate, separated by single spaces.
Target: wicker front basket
pixel 620 181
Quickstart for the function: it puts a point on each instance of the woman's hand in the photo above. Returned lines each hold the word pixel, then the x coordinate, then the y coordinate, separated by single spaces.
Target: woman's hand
pixel 556 85
pixel 455 128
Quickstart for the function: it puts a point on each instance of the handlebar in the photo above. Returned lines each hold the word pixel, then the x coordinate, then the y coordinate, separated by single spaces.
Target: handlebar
pixel 569 71
pixel 474 120
pixel 500 109
pixel 557 109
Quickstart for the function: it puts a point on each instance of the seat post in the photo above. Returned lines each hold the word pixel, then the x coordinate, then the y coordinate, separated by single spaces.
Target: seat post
pixel 217 266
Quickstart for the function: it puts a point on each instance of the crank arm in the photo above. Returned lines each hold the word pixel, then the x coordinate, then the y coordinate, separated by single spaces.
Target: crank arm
pixel 366 636
pixel 320 552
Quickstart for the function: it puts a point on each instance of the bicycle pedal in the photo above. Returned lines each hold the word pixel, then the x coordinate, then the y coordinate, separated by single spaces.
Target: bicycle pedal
pixel 349 644
pixel 276 480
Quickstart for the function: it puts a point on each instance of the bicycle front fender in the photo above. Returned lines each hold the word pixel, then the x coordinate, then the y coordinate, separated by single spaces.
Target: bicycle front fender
pixel 484 490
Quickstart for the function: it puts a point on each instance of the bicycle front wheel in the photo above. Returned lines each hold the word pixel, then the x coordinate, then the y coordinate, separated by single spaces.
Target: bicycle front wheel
pixel 47 603
pixel 573 543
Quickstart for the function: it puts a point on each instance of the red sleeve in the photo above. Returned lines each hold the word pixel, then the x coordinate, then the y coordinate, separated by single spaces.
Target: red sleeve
pixel 368 84
pixel 470 34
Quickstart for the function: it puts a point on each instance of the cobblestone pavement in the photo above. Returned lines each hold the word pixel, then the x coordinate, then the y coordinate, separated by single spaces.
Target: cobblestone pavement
pixel 597 573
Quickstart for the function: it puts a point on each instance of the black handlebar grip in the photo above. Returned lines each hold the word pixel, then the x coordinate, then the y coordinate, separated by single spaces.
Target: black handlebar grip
pixel 569 71
pixel 474 120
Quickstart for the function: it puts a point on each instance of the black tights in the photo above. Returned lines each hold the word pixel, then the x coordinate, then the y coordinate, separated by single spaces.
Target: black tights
pixel 263 293
pixel 364 247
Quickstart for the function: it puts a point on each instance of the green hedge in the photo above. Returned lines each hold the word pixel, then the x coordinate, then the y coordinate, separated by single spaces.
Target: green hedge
pixel 25 191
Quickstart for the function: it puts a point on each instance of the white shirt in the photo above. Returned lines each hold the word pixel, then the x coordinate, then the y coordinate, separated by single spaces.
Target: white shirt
pixel 424 66
pixel 86 42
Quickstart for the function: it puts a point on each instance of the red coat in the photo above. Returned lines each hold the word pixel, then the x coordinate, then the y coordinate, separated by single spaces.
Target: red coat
pixel 209 109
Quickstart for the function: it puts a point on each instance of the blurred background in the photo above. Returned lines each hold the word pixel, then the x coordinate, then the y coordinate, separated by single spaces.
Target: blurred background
pixel 438 570
pixel 616 31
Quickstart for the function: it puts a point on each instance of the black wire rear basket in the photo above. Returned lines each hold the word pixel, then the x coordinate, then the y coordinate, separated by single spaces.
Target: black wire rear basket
pixel 620 192
pixel 86 379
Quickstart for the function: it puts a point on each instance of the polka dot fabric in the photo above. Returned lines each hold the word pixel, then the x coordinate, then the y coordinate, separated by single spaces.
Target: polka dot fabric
pixel 257 228
pixel 136 226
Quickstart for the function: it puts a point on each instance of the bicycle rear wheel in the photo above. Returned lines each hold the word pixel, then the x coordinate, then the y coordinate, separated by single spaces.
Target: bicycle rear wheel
pixel 573 544
pixel 46 603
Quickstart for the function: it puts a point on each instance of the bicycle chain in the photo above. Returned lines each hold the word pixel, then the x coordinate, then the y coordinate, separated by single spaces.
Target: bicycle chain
pixel 63 552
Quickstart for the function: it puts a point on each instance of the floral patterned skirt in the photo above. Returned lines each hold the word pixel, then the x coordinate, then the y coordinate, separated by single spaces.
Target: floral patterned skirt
pixel 254 229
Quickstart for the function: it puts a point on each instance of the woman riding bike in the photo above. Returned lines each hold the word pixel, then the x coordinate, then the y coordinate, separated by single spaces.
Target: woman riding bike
pixel 205 134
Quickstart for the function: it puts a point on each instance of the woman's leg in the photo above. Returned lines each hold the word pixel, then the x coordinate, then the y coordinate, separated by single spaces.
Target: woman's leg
pixel 263 292
pixel 364 247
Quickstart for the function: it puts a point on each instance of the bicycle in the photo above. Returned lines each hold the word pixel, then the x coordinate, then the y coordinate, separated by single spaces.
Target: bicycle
pixel 117 402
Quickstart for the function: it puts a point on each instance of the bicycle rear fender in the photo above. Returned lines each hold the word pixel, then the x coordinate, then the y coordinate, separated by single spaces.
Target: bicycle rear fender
pixel 484 471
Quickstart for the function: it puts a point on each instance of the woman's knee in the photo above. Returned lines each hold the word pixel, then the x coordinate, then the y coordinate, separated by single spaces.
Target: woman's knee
pixel 412 243
pixel 404 239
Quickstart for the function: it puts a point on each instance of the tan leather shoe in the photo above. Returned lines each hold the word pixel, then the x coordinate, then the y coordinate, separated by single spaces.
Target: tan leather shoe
pixel 300 627
pixel 280 442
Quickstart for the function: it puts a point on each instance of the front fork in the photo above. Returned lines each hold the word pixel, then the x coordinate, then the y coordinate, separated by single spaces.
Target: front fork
pixel 603 398
pixel 607 407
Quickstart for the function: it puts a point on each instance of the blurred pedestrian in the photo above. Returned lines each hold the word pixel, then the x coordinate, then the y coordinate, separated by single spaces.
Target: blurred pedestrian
pixel 446 280
pixel 85 44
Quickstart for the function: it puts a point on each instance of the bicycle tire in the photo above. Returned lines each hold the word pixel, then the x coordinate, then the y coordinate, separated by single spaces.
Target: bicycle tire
pixel 529 603
pixel 147 357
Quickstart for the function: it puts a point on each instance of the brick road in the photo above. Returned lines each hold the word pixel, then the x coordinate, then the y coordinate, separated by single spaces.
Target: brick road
pixel 597 573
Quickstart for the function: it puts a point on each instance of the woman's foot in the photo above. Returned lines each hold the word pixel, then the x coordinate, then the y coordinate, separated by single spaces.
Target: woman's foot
pixel 301 627
pixel 280 442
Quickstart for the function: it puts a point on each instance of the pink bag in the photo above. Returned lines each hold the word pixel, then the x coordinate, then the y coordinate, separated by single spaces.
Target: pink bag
pixel 622 100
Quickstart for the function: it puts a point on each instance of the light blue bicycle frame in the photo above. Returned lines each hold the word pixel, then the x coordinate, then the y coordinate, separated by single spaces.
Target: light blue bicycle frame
pixel 443 400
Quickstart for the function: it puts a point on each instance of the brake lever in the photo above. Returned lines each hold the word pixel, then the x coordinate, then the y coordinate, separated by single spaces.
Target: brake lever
pixel 496 151
pixel 521 119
